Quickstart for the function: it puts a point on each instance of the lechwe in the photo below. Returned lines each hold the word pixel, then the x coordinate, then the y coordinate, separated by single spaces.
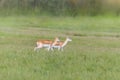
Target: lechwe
pixel 45 44
pixel 60 45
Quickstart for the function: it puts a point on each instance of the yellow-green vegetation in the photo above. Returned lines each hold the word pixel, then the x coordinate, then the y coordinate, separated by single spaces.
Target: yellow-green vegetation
pixel 93 54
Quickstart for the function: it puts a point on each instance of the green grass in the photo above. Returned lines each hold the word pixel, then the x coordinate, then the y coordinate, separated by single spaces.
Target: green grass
pixel 93 54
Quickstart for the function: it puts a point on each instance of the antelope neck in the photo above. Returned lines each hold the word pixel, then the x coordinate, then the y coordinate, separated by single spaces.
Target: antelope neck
pixel 65 42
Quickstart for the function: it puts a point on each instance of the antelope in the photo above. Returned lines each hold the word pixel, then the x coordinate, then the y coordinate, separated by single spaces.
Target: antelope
pixel 45 44
pixel 60 45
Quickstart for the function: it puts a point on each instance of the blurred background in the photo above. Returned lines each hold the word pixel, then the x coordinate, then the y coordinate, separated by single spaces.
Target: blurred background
pixel 60 7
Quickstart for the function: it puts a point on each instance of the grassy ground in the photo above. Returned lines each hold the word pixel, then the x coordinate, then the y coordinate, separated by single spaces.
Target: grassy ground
pixel 93 54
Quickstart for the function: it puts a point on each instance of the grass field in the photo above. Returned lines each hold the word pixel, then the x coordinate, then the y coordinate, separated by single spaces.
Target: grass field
pixel 93 54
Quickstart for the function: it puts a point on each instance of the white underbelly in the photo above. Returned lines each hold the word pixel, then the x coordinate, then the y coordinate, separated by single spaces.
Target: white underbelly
pixel 46 45
pixel 56 46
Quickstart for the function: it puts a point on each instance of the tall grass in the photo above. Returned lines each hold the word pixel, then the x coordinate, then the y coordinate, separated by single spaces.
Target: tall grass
pixel 93 54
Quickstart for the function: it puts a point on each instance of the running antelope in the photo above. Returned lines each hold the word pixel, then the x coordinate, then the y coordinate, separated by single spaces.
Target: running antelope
pixel 45 44
pixel 60 45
